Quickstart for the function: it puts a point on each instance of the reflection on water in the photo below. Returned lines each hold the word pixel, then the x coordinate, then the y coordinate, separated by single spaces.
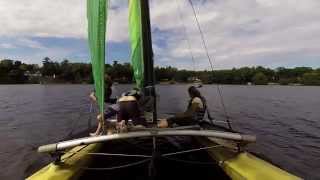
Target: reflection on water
pixel 286 121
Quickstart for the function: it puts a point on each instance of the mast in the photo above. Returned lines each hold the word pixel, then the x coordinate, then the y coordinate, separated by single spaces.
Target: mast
pixel 142 55
pixel 147 44
pixel 149 77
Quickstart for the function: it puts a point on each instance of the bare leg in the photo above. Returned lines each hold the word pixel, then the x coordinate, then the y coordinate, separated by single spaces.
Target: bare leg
pixel 97 132
pixel 121 126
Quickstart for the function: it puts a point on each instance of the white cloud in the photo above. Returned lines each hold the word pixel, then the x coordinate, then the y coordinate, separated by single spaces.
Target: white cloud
pixel 25 42
pixel 58 18
pixel 118 22
pixel 42 18
pixel 7 46
pixel 238 33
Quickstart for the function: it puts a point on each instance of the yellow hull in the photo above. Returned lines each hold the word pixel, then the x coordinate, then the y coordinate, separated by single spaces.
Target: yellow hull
pixel 238 166
pixel 245 166
pixel 70 166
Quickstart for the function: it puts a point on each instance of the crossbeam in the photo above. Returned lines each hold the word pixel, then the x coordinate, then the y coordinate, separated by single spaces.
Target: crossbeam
pixel 153 133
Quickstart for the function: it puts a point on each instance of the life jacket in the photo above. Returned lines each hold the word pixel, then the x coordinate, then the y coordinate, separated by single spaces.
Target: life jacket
pixel 200 112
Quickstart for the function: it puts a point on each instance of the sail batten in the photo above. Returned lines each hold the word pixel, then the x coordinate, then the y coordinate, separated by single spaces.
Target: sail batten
pixel 97 16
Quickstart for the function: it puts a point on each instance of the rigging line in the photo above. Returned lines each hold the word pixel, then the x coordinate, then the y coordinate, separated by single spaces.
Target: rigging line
pixel 75 123
pixel 185 34
pixel 124 155
pixel 117 167
pixel 211 64
pixel 190 150
pixel 90 119
pixel 190 162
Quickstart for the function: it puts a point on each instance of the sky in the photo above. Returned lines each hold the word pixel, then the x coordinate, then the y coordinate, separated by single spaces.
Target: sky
pixel 238 33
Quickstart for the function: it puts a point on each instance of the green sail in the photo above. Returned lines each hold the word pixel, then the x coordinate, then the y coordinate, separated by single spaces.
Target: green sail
pixel 97 15
pixel 135 29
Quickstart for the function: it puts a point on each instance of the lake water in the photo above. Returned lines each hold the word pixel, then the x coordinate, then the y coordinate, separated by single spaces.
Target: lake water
pixel 286 121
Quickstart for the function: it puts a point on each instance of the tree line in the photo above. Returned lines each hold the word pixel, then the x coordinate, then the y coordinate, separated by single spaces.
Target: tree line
pixel 13 72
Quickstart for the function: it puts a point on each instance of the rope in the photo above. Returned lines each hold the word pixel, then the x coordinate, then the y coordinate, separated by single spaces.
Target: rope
pixel 191 150
pixel 90 119
pixel 211 119
pixel 185 34
pixel 124 155
pixel 211 64
pixel 190 49
pixel 190 162
pixel 117 167
pixel 76 121
pixel 145 147
pixel 149 158
pixel 73 127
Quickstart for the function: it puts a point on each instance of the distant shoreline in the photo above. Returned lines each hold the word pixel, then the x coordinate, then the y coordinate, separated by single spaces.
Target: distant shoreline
pixel 65 72
pixel 161 83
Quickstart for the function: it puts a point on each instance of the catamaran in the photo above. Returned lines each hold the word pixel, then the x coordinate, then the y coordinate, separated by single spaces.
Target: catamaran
pixel 204 151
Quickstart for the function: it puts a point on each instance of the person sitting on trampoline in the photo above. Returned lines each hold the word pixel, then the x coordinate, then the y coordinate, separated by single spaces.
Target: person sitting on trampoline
pixel 129 109
pixel 193 115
